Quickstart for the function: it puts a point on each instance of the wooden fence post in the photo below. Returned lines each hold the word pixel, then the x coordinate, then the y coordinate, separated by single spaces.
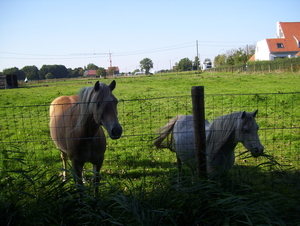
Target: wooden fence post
pixel 199 129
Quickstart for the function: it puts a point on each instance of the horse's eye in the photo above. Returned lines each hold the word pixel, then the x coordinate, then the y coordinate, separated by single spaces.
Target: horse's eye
pixel 244 130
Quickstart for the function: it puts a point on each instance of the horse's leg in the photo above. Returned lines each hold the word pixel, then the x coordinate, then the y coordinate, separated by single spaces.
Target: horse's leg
pixel 179 166
pixel 98 149
pixel 96 169
pixel 77 167
pixel 64 158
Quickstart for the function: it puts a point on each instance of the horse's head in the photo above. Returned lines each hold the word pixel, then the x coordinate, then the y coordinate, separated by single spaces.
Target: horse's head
pixel 105 111
pixel 247 133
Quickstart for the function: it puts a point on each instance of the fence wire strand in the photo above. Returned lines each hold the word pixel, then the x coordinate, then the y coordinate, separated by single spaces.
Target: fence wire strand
pixel 24 130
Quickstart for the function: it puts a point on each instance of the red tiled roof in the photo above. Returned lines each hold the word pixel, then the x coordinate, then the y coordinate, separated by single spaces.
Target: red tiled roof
pixel 91 72
pixel 290 42
pixel 290 29
pixel 252 58
pixel 116 68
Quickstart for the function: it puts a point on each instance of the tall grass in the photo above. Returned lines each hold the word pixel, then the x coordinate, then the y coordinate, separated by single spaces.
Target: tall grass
pixel 33 201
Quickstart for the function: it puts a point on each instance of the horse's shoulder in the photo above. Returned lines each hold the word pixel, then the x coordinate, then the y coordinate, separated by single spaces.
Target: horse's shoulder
pixel 74 98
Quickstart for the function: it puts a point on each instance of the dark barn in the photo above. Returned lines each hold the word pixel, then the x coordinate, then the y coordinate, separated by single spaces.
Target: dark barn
pixel 11 81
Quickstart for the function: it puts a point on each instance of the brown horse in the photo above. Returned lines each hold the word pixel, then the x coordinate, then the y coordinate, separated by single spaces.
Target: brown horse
pixel 76 126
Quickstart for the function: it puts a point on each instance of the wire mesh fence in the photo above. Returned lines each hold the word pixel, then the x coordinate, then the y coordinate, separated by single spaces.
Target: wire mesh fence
pixel 25 137
pixel 287 64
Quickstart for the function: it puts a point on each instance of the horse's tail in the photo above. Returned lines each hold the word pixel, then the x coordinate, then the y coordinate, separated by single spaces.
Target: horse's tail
pixel 164 133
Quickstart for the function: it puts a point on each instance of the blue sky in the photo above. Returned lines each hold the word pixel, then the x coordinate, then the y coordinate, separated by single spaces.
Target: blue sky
pixel 75 33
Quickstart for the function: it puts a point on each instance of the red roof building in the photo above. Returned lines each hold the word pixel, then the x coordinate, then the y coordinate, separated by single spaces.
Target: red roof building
pixel 116 70
pixel 286 43
pixel 90 73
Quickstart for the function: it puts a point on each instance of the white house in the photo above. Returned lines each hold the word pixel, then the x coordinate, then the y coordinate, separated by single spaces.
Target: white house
pixel 286 43
pixel 206 65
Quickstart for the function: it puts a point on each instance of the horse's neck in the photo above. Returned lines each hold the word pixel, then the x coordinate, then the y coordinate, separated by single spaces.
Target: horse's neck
pixel 91 127
pixel 231 142
pixel 222 155
pixel 226 146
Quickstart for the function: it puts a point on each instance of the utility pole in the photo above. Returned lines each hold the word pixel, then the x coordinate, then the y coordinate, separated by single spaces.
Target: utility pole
pixel 110 62
pixel 197 56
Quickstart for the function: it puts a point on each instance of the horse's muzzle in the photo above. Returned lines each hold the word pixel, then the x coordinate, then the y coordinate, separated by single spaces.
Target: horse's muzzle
pixel 116 132
pixel 258 151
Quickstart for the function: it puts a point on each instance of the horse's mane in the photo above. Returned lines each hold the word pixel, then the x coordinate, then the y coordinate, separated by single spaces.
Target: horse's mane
pixel 223 127
pixel 87 98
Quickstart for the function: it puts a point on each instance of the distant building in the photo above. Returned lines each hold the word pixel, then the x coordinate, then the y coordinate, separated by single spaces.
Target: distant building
pixel 116 70
pixel 142 73
pixel 206 65
pixel 8 81
pixel 2 81
pixel 90 73
pixel 285 45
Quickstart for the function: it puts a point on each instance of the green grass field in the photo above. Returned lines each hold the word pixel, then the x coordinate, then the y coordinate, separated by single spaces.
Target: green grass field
pixel 134 170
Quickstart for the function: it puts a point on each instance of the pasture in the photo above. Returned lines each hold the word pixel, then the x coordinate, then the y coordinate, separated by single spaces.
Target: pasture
pixel 139 181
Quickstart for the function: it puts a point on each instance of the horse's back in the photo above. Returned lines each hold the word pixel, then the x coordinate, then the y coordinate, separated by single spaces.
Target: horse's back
pixel 62 104
pixel 60 120
pixel 184 140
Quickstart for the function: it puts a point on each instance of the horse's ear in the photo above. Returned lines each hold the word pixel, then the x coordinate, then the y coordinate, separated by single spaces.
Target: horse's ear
pixel 243 115
pixel 112 85
pixel 97 86
pixel 254 113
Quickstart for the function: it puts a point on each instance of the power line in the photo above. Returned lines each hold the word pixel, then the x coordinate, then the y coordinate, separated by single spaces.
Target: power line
pixel 100 55
pixel 88 54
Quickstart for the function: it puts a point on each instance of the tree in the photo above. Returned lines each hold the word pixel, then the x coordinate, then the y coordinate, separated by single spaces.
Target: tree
pixel 31 72
pixel 45 69
pixel 58 71
pixel 91 66
pixel 184 64
pixel 101 72
pixel 220 60
pixel 136 70
pixel 49 76
pixel 15 71
pixel 230 60
pixel 235 56
pixel 146 64
pixel 196 63
pixel 239 56
pixel 77 72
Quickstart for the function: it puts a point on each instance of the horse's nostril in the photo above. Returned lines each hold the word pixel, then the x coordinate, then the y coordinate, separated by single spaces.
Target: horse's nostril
pixel 261 150
pixel 257 152
pixel 116 132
